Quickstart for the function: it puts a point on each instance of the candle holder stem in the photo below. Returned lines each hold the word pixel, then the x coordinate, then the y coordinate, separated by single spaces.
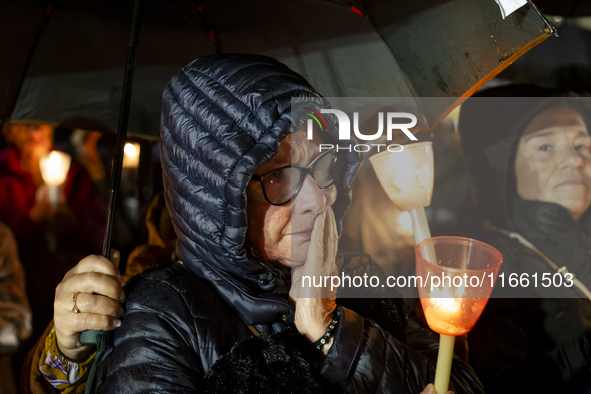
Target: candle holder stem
pixel 420 227
pixel 53 195
pixel 444 360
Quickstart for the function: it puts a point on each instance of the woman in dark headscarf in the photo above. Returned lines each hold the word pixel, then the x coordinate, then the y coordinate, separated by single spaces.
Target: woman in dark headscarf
pixel 236 162
pixel 528 152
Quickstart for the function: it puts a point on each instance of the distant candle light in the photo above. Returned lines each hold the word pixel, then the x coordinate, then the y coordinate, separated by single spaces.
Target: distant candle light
pixel 130 149
pixel 54 170
pixel 54 167
pixel 131 157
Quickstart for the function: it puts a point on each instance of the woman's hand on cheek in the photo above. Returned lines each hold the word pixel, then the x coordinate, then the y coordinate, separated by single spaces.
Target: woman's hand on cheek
pixel 315 305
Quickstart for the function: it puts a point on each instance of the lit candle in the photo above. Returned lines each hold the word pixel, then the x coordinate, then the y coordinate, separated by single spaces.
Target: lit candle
pixel 407 178
pixel 453 306
pixel 443 311
pixel 131 154
pixel 54 170
pixel 449 306
pixel 444 362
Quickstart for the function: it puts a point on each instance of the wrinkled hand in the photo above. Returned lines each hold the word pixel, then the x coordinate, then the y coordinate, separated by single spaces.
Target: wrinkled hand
pixel 100 311
pixel 430 389
pixel 315 306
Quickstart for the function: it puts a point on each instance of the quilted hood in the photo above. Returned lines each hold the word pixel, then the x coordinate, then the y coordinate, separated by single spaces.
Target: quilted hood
pixel 222 117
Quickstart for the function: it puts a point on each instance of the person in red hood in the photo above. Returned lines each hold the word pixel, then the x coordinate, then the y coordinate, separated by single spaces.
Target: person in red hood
pixel 51 239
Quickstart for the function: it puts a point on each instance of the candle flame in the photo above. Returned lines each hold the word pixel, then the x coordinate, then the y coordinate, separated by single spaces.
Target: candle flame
pixel 444 301
pixel 130 149
pixel 448 305
pixel 131 157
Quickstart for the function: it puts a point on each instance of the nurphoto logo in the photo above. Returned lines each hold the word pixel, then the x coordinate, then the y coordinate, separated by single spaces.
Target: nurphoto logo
pixel 345 129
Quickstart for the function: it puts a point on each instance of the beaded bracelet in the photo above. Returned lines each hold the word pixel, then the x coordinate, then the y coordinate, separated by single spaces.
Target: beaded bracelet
pixel 331 329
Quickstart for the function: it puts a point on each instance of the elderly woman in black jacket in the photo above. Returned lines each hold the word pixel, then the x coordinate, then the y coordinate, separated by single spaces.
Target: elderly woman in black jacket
pixel 528 151
pixel 247 216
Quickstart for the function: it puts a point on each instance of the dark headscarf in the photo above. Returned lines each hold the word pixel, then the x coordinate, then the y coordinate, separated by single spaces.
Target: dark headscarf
pixel 491 124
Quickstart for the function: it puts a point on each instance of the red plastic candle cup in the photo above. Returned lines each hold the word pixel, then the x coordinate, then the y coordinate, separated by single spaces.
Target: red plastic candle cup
pixel 457 277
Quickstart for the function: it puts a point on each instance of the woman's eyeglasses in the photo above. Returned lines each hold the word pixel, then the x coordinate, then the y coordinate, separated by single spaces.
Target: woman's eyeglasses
pixel 281 185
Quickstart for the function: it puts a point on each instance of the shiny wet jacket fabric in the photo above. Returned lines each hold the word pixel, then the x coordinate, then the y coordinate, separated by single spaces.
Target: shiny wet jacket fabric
pixel 529 344
pixel 222 117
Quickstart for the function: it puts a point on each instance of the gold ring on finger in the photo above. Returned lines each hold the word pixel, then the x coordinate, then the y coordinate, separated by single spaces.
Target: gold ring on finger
pixel 74 306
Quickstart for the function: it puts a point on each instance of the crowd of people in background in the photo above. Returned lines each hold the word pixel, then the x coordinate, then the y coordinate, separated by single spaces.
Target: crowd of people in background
pixel 529 162
pixel 51 237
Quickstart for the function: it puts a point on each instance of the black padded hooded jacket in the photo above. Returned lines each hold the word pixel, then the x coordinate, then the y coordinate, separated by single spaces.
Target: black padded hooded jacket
pixel 222 117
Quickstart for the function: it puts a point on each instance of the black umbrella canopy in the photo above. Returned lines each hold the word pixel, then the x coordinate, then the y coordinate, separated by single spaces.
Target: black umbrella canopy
pixel 70 54
pixel 568 8
pixel 563 62
pixel 75 68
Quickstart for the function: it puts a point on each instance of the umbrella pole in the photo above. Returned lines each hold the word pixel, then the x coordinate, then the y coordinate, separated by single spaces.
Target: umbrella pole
pixel 122 126
pixel 90 337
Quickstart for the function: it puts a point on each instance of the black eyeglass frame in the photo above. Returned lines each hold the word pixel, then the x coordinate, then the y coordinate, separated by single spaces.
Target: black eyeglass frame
pixel 303 171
